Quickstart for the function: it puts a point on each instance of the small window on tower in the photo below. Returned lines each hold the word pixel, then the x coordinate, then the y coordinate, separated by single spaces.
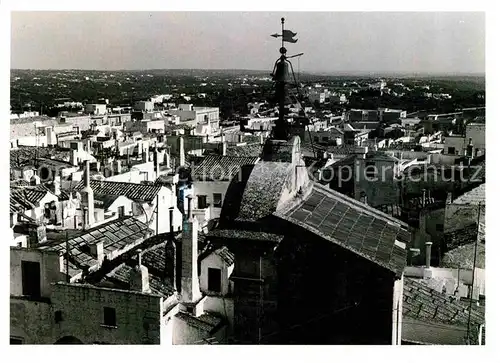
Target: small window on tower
pixel 217 200
pixel 58 316
pixel 202 201
pixel 109 316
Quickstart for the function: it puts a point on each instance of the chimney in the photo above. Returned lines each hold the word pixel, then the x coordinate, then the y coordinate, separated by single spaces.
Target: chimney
pixel 97 251
pixel 88 198
pixel 57 185
pixel 35 179
pixel 182 158
pixel 240 138
pixel 190 287
pixel 428 247
pixel 224 149
pixel 449 198
pixel 156 161
pixel 145 154
pixel 166 159
pixel 87 173
pixel 37 235
pixel 118 166
pixel 261 138
pixel 73 158
pixel 171 255
pixel 139 276
pixel 88 143
pixel 50 136
pixel 189 200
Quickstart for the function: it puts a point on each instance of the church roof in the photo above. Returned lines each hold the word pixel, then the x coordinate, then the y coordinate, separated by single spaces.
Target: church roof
pixel 352 225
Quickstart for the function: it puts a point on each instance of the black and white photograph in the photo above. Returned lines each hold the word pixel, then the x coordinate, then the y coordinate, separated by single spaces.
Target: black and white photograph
pixel 247 178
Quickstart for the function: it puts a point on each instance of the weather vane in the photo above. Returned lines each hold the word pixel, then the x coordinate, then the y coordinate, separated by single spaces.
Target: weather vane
pixel 286 36
pixel 281 76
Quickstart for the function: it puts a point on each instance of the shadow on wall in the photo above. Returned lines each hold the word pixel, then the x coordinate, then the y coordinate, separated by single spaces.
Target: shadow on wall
pixel 69 340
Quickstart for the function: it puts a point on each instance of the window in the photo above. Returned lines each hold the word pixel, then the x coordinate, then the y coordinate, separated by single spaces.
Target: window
pixel 31 278
pixel 451 150
pixel 58 316
pixel 109 316
pixel 217 200
pixel 121 212
pixel 214 279
pixel 202 201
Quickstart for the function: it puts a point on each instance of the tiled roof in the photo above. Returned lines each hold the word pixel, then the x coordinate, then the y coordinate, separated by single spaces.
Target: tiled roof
pixel 104 201
pixel 261 193
pixel 217 167
pixel 154 258
pixel 352 225
pixel 247 235
pixel 65 195
pixel 156 284
pixel 27 197
pixel 463 257
pixel 249 150
pixel 225 254
pixel 19 183
pixel 421 302
pixel 26 154
pixel 278 150
pixel 115 235
pixel 474 197
pixel 135 192
pixel 206 322
pixel 462 236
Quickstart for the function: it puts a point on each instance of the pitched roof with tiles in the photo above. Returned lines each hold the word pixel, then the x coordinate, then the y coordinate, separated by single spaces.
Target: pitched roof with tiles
pixel 156 283
pixel 463 236
pixel 217 167
pixel 260 194
pixel 352 225
pixel 463 256
pixel 473 197
pixel 423 303
pixel 206 322
pixel 115 235
pixel 133 191
pixel 27 197
pixel 26 154
pixel 249 150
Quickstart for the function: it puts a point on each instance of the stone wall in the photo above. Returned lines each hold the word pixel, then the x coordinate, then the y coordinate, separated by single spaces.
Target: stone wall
pixel 138 315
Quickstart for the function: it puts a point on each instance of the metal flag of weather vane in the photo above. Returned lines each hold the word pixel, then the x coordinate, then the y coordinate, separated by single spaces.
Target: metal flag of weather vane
pixel 281 77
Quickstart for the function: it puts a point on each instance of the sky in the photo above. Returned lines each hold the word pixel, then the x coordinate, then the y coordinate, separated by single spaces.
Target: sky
pixel 332 42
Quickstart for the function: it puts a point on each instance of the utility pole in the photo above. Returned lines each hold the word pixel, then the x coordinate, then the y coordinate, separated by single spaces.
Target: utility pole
pixel 473 274
pixel 67 258
pixel 157 212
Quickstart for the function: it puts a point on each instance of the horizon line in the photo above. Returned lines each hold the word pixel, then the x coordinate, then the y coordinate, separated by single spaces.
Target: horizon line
pixel 319 72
